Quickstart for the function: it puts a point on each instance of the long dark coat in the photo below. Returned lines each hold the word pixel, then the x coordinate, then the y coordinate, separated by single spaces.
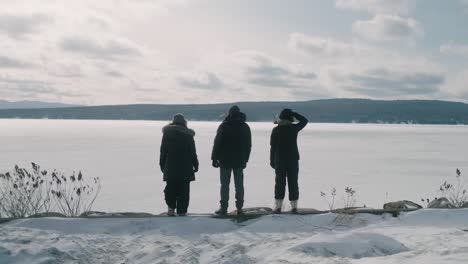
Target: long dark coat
pixel 233 142
pixel 178 156
pixel 283 142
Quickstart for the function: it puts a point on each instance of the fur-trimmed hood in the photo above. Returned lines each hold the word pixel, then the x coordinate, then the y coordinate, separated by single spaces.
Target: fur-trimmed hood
pixel 170 128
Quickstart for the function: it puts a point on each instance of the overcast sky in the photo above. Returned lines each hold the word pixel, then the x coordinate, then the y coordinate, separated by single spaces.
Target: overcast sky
pixel 207 51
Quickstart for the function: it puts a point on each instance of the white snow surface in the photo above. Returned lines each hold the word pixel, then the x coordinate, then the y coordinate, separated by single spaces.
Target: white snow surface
pixel 424 236
pixel 383 163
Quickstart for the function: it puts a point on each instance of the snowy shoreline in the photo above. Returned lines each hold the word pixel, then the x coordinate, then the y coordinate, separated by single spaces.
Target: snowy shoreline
pixel 423 236
pixel 249 214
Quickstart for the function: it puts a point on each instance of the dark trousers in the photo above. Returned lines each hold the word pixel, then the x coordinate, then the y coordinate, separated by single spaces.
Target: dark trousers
pixel 239 185
pixel 290 173
pixel 177 195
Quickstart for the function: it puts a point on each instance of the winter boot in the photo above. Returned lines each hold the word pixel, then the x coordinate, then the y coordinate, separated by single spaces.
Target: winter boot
pixel 170 212
pixel 278 205
pixel 294 207
pixel 182 214
pixel 240 211
pixel 221 211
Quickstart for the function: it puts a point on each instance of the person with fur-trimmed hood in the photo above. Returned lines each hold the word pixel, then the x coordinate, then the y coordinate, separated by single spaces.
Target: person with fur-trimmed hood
pixel 284 157
pixel 179 163
pixel 231 152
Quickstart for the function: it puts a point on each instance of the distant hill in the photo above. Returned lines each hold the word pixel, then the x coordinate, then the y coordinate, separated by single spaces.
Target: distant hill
pixel 30 105
pixel 330 111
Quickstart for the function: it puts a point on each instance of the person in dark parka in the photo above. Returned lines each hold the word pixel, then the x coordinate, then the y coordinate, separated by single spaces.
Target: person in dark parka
pixel 178 161
pixel 231 152
pixel 284 157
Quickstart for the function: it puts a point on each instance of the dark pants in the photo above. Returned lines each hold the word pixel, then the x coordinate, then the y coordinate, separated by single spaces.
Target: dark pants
pixel 177 194
pixel 238 182
pixel 288 172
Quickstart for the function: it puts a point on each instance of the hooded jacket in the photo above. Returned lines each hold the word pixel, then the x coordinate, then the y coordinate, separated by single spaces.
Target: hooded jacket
pixel 178 155
pixel 233 142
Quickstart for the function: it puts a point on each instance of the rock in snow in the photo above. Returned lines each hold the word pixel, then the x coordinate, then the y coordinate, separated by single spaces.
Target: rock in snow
pixel 49 214
pixel 440 203
pixel 402 205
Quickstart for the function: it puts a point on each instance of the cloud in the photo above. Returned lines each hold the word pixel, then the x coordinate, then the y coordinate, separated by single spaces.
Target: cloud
pixel 67 71
pixel 7 62
pixel 25 85
pixel 377 6
pixel 90 43
pixel 367 69
pixel 388 28
pixel 99 23
pixel 305 75
pixel 107 50
pixel 457 85
pixel 201 80
pixel 30 88
pixel 453 49
pixel 251 75
pixel 318 45
pixel 382 82
pixel 115 74
pixel 262 70
pixel 271 81
pixel 266 68
pixel 19 27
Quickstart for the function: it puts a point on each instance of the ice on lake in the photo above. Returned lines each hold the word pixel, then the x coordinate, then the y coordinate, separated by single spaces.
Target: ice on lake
pixel 381 162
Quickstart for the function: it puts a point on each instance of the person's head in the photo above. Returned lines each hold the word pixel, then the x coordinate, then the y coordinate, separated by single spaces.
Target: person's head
pixel 179 119
pixel 234 110
pixel 234 113
pixel 287 114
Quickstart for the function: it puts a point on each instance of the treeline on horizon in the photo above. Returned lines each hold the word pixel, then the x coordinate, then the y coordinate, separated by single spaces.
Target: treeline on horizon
pixel 320 111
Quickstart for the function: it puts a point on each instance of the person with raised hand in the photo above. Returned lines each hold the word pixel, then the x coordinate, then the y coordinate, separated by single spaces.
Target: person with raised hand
pixel 284 157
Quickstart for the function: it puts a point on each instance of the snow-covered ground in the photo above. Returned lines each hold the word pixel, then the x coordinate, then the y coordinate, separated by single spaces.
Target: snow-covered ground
pixel 383 163
pixel 425 236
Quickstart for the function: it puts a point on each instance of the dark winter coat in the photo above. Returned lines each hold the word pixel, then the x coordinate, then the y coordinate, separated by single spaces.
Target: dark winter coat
pixel 178 157
pixel 233 142
pixel 283 142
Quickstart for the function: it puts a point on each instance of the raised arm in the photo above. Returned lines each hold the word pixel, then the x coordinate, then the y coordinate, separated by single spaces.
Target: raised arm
pixel 302 121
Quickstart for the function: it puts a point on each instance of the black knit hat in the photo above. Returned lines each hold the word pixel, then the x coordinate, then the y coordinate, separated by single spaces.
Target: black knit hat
pixel 287 114
pixel 179 119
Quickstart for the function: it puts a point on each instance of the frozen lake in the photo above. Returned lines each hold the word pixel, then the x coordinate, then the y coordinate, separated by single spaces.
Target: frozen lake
pixel 382 162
